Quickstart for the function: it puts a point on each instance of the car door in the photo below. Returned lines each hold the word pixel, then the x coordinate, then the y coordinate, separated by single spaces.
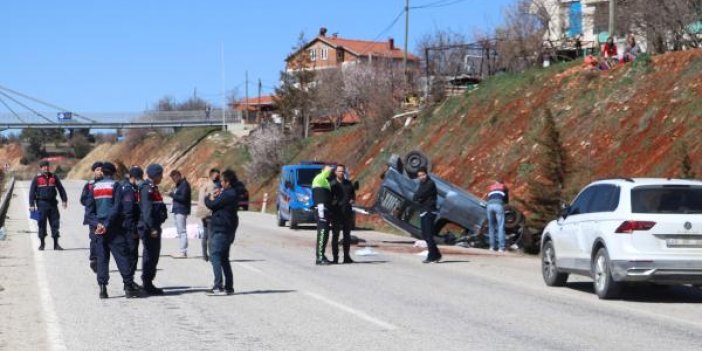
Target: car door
pixel 565 235
pixel 284 194
pixel 604 199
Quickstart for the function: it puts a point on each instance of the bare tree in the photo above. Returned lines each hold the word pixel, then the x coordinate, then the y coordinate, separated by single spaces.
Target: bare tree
pixel 520 40
pixel 267 148
pixel 668 25
pixel 329 100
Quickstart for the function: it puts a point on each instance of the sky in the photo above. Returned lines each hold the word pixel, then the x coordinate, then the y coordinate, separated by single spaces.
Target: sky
pixel 123 56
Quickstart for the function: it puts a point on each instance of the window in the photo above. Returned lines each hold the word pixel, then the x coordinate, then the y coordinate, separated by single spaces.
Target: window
pixel 306 175
pixel 339 55
pixel 313 54
pixel 666 199
pixel 605 199
pixel 582 202
pixel 325 54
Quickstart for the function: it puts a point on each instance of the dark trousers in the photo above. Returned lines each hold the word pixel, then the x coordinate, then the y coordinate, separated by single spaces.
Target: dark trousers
pixel 220 244
pixel 93 243
pixel 206 235
pixel 132 238
pixel 150 254
pixel 322 234
pixel 341 221
pixel 115 243
pixel 50 212
pixel 428 235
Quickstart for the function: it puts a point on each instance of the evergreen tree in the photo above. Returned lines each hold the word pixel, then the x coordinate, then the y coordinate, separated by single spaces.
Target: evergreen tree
pixel 546 183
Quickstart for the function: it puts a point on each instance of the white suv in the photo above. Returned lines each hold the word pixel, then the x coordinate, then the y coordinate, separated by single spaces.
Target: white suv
pixel 627 230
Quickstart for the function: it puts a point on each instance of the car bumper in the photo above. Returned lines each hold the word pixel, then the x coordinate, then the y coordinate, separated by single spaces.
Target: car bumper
pixel 672 272
pixel 305 215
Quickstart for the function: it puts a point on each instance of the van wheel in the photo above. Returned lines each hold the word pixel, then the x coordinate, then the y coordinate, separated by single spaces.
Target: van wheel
pixel 293 220
pixel 413 161
pixel 281 221
pixel 605 286
pixel 549 269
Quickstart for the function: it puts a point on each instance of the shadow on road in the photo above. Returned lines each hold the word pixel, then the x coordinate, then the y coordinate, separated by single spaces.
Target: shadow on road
pixel 263 292
pixel 650 293
pixel 370 262
pixel 453 261
pixel 244 260
pixel 403 242
pixel 182 290
pixel 74 249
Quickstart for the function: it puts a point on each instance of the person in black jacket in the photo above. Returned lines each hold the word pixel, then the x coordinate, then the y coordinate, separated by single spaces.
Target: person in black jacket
pixel 343 197
pixel 426 197
pixel 42 197
pixel 86 199
pixel 223 202
pixel 181 210
pixel 153 213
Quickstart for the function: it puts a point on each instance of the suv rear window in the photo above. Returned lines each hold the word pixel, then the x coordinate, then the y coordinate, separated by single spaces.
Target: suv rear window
pixel 306 175
pixel 666 199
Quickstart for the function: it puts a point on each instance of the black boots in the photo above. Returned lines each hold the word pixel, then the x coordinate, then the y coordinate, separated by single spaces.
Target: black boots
pixel 103 291
pixel 133 290
pixel 323 261
pixel 151 289
pixel 56 245
pixel 41 245
pixel 347 259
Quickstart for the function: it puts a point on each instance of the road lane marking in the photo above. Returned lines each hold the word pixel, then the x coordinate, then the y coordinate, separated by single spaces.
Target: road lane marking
pixel 53 329
pixel 339 306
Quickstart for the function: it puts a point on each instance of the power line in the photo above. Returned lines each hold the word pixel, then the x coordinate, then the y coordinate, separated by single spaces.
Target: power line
pixel 11 110
pixel 44 103
pixel 437 4
pixel 27 107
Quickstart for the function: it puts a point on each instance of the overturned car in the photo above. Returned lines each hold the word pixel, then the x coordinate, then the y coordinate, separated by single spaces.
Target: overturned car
pixel 459 210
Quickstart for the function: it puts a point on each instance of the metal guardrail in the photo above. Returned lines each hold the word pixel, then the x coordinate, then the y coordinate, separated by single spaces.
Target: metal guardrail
pixel 5 201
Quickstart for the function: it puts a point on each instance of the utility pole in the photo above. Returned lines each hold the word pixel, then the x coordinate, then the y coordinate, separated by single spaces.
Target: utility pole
pixel 258 110
pixel 404 55
pixel 224 97
pixel 246 101
pixel 612 10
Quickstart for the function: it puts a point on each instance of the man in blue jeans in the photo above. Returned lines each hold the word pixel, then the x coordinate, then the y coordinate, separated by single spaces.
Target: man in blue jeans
pixel 182 197
pixel 497 197
pixel 223 202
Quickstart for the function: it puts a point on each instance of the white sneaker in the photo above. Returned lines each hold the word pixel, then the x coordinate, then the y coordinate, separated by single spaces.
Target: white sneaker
pixel 501 251
pixel 180 255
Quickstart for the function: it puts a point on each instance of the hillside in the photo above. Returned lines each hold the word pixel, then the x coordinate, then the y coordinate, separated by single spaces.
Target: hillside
pixel 622 122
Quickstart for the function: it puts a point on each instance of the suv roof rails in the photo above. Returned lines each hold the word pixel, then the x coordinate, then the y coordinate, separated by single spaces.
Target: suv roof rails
pixel 630 180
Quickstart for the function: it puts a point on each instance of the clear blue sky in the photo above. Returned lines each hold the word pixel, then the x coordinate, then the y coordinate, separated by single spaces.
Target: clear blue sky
pixel 123 56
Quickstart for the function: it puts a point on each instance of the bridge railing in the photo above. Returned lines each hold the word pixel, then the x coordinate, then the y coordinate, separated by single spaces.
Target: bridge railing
pixel 213 116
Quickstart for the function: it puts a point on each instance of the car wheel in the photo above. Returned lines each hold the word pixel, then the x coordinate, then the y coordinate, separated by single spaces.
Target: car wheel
pixel 281 221
pixel 513 218
pixel 549 269
pixel 605 286
pixel 413 161
pixel 293 220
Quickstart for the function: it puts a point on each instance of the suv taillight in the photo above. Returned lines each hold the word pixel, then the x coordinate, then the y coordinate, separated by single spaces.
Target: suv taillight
pixel 629 227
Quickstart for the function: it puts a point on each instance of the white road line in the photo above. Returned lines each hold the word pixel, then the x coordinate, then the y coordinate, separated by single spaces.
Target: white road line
pixel 53 329
pixel 347 309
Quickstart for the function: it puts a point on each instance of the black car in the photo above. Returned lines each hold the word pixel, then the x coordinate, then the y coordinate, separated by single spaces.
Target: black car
pixel 456 206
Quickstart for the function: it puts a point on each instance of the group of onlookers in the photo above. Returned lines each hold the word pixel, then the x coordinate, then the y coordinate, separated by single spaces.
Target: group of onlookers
pixel 611 55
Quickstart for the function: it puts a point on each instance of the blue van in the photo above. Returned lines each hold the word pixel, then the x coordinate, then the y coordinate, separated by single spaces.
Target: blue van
pixel 294 199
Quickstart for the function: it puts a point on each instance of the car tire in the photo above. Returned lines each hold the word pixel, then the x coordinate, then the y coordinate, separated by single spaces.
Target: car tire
pixel 281 221
pixel 605 287
pixel 413 161
pixel 395 161
pixel 293 221
pixel 549 269
pixel 513 218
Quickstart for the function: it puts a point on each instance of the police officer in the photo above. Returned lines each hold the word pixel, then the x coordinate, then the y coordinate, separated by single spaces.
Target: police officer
pixel 42 197
pixel 153 214
pixel 321 195
pixel 109 235
pixel 128 207
pixel 343 196
pixel 86 199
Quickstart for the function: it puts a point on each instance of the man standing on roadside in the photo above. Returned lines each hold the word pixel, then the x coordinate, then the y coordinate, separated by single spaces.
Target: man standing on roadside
pixel 86 199
pixel 128 207
pixel 321 195
pixel 426 197
pixel 497 197
pixel 343 197
pixel 42 197
pixel 205 214
pixel 223 202
pixel 182 197
pixel 153 214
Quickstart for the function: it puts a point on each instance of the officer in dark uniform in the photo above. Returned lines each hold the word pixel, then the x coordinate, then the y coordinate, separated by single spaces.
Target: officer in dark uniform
pixel 42 197
pixel 86 199
pixel 128 197
pixel 153 214
pixel 343 196
pixel 110 235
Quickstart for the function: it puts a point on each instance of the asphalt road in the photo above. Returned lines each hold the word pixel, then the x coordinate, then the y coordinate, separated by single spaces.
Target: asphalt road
pixel 391 301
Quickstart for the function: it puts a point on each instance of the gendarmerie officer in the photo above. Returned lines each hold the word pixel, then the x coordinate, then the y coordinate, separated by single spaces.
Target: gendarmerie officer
pixel 86 199
pixel 321 195
pixel 109 233
pixel 153 214
pixel 343 197
pixel 42 197
pixel 128 207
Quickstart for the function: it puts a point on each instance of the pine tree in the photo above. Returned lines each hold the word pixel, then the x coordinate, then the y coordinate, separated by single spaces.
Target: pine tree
pixel 546 183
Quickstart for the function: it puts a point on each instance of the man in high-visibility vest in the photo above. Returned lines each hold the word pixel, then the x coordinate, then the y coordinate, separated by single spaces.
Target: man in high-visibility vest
pixel 322 196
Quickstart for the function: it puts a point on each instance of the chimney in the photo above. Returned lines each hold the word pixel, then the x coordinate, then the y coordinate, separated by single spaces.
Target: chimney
pixel 391 43
pixel 322 31
pixel 335 35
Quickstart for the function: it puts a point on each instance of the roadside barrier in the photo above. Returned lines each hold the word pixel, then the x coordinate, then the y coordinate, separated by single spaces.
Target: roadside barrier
pixel 5 204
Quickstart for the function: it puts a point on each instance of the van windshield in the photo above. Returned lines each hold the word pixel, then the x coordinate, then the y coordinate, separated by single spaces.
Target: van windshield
pixel 306 175
pixel 666 199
